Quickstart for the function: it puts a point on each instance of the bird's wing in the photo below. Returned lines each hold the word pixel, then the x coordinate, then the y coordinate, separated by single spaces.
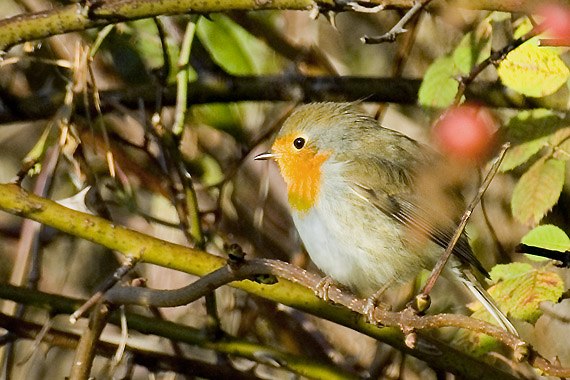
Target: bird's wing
pixel 410 211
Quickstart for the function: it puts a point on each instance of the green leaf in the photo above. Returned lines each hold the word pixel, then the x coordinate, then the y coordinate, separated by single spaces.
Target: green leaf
pixel 546 236
pixel 520 289
pixel 474 343
pixel 438 88
pixel 538 190
pixel 234 49
pixel 471 50
pixel 41 146
pixel 528 132
pixel 532 70
pixel 223 116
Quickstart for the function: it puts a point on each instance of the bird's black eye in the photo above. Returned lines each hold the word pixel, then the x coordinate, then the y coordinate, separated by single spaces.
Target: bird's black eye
pixel 299 142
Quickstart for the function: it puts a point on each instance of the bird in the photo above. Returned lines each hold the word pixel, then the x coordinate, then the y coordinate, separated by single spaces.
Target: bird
pixel 355 193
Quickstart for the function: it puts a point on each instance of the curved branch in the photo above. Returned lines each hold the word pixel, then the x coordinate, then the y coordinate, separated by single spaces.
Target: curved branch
pixel 83 16
pixel 32 26
pixel 250 268
pixel 17 201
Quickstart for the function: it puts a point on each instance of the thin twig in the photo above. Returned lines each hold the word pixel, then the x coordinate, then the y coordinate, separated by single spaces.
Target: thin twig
pixel 402 56
pixel 86 348
pixel 556 42
pixel 182 79
pixel 497 56
pixel 436 272
pixel 107 284
pixel 397 29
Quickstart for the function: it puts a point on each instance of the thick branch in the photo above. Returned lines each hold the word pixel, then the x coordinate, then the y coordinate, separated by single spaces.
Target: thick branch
pixel 286 87
pixel 131 243
pixel 32 26
pixel 437 354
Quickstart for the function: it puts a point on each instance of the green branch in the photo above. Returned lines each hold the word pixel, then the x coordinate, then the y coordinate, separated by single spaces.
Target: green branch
pixel 32 26
pixel 17 201
pixel 180 333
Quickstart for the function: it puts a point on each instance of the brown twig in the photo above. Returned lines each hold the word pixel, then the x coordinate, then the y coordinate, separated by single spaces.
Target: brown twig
pixel 255 269
pixel 402 55
pixel 397 29
pixel 86 348
pixel 111 281
pixel 494 58
pixel 436 272
pixel 556 42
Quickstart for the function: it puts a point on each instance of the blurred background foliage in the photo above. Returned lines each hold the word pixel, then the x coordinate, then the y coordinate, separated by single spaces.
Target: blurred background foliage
pixel 53 128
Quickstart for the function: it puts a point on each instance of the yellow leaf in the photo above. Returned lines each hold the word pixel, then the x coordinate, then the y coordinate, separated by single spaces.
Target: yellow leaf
pixel 532 70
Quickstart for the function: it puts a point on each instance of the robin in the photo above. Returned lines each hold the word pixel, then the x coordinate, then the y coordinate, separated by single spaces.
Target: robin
pixel 353 191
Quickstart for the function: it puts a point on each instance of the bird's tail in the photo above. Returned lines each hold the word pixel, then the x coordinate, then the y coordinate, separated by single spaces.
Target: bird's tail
pixel 471 282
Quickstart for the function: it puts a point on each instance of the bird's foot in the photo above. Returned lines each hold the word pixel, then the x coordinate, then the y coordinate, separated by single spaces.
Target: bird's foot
pixel 373 302
pixel 322 288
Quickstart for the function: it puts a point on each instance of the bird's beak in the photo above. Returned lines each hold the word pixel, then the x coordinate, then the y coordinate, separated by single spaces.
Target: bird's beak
pixel 264 156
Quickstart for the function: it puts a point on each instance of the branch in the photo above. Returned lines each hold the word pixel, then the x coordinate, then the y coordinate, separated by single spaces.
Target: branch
pixel 32 26
pixel 17 201
pixel 177 332
pixel 494 58
pixel 85 353
pixel 288 87
pixel 152 360
pixel 397 29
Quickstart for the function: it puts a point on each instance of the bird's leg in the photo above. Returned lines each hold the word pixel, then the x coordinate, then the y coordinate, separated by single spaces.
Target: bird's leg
pixel 373 302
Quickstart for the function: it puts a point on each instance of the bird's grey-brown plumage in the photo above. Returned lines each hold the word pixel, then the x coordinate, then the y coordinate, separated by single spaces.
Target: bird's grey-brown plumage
pixel 395 229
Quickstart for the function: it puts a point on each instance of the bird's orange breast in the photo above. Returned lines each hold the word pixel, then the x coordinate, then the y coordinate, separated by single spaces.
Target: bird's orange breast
pixel 301 170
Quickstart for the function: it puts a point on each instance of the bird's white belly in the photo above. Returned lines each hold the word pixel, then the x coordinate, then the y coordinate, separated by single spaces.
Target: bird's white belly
pixel 330 254
pixel 363 252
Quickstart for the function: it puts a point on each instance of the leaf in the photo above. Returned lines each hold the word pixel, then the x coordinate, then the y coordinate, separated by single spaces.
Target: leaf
pixel 476 344
pixel 546 236
pixel 538 190
pixel 235 49
pixel 438 88
pixel 520 289
pixel 560 141
pixel 39 149
pixel 471 50
pixel 223 116
pixel 532 70
pixel 528 132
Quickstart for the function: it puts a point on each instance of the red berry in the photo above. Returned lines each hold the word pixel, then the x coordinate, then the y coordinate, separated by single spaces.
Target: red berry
pixel 556 19
pixel 465 132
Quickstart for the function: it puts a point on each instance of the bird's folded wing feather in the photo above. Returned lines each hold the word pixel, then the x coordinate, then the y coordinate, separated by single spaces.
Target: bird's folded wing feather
pixel 411 212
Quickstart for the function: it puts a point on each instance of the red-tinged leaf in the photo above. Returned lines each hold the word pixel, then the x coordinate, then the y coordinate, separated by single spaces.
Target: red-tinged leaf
pixel 521 288
pixel 518 291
